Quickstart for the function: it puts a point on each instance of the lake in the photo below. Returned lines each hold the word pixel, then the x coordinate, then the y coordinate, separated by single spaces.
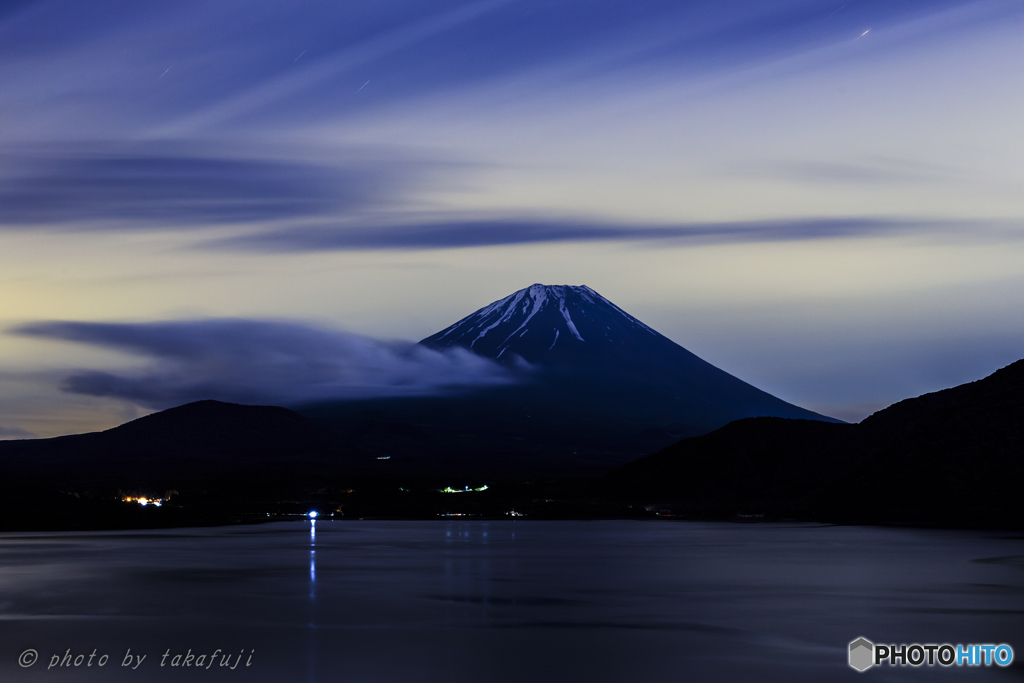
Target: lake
pixel 501 601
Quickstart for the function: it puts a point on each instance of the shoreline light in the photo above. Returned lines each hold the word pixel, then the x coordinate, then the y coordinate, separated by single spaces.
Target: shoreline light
pixel 144 500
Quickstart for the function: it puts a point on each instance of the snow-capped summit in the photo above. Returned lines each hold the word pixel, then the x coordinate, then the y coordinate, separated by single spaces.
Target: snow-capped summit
pixel 544 323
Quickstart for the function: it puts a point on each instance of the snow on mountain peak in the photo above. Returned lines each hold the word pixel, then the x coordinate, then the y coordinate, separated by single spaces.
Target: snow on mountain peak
pixel 541 320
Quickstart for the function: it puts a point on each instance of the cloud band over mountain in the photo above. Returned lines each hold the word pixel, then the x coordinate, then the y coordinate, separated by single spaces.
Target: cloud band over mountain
pixel 460 233
pixel 261 362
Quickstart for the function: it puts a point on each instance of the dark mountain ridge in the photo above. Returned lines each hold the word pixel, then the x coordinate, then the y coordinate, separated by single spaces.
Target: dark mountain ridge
pixel 196 441
pixel 950 457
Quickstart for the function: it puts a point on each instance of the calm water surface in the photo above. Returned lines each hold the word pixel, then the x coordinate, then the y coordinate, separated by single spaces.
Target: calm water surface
pixel 503 601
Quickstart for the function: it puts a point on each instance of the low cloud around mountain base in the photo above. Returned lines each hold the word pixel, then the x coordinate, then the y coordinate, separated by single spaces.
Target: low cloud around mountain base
pixel 261 362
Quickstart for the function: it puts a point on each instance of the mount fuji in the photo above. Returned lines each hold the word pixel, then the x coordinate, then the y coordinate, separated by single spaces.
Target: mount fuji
pixel 596 388
pixel 573 336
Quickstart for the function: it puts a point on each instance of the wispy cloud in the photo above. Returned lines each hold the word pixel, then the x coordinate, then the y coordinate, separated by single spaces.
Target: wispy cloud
pixel 130 186
pixel 261 362
pixel 365 54
pixel 867 171
pixel 190 66
pixel 454 234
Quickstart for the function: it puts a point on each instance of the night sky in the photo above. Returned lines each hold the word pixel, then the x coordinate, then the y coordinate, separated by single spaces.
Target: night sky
pixel 254 200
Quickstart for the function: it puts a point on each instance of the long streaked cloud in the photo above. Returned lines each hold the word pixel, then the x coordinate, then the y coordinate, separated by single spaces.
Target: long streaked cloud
pixel 871 171
pixel 455 234
pixel 261 362
pixel 130 186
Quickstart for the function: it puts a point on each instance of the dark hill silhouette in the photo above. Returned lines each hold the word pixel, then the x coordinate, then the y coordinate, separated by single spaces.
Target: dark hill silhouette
pixel 950 457
pixel 205 440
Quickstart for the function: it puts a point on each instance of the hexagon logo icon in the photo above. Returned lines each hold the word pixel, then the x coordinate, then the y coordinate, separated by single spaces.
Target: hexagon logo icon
pixel 862 654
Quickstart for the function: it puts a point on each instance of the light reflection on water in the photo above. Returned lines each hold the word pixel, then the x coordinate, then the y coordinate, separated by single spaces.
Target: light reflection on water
pixel 508 600
pixel 311 648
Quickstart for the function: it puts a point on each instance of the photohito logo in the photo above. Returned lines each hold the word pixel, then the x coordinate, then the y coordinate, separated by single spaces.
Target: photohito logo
pixel 864 654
